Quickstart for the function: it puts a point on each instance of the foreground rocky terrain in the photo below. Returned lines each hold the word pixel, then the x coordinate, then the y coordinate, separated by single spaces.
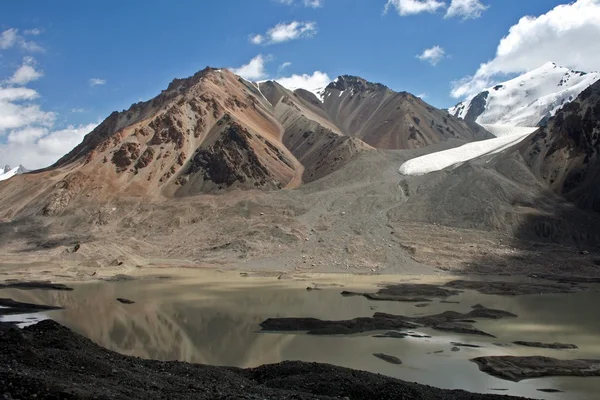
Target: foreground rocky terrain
pixel 48 361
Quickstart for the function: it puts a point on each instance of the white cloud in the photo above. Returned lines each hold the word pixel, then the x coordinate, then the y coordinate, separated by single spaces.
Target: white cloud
pixel 77 110
pixel 32 32
pixel 254 70
pixel 313 3
pixel 283 66
pixel 432 55
pixel 10 38
pixel 284 32
pixel 465 9
pixel 17 111
pixel 97 82
pixel 40 147
pixel 411 7
pixel 567 35
pixel 422 96
pixel 257 39
pixel 26 72
pixel 11 94
pixel 305 3
pixel 317 80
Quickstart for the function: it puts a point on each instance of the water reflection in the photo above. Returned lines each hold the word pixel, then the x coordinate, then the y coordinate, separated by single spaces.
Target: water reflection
pixel 217 324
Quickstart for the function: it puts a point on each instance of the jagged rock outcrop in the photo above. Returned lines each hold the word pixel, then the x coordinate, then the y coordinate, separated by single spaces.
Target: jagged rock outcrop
pixel 566 152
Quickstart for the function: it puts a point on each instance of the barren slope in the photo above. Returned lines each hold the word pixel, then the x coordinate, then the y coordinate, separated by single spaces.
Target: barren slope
pixel 565 153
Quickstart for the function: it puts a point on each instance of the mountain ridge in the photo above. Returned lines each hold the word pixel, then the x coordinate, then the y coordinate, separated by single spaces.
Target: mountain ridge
pixel 526 100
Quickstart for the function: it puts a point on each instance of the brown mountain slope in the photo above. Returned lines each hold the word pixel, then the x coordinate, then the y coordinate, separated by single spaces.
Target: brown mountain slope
pixel 216 131
pixel 566 152
pixel 314 140
pixel 386 119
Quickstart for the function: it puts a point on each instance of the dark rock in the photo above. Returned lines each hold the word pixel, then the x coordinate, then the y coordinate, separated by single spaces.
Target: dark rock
pixel 550 390
pixel 458 327
pixel 570 278
pixel 393 335
pixel 455 349
pixel 388 358
pixel 473 346
pixel 53 362
pixel 406 292
pixel 125 301
pixel 446 321
pixel 41 285
pixel 119 278
pixel 75 249
pixel 422 305
pixel 512 288
pixel 519 368
pixel 318 327
pixel 556 346
pixel 10 307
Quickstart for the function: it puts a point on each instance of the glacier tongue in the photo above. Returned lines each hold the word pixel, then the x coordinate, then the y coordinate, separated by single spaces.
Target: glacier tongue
pixel 506 136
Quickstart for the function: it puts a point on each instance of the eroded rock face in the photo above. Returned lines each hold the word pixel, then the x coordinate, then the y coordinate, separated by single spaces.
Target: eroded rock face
pixel 233 160
pixel 126 155
pixel 566 152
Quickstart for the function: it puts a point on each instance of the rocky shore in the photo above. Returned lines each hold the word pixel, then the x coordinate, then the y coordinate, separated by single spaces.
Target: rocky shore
pixel 49 361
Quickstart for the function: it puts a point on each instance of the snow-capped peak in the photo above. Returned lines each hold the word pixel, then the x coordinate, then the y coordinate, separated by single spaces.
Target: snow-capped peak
pixel 526 100
pixel 7 172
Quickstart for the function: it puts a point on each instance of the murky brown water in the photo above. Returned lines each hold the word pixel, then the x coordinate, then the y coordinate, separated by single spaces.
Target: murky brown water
pixel 215 321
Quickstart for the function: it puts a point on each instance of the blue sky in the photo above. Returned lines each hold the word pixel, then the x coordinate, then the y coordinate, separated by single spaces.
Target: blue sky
pixel 133 49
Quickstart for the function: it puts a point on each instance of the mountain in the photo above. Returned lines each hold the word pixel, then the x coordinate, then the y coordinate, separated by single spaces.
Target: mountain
pixel 376 114
pixel 8 172
pixel 566 152
pixel 528 100
pixel 216 131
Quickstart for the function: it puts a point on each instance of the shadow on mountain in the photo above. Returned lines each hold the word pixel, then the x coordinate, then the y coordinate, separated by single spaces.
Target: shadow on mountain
pixel 36 235
pixel 492 215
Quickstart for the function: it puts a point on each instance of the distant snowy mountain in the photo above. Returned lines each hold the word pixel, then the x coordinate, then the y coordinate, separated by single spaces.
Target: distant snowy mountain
pixel 8 172
pixel 528 100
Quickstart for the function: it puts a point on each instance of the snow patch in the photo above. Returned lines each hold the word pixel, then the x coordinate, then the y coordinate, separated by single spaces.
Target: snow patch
pixel 506 136
pixel 529 98
pixel 10 172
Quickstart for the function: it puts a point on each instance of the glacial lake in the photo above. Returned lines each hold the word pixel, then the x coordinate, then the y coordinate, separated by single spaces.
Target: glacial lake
pixel 213 318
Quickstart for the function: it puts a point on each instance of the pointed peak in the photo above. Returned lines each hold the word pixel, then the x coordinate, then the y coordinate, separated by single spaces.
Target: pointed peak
pixel 357 83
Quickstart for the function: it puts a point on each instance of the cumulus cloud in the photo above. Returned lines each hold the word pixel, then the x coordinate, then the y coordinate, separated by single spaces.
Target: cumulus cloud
pixel 26 72
pixel 28 134
pixel 17 111
pixel 40 147
pixel 11 37
pixel 310 82
pixel 254 70
pixel 465 9
pixel 97 82
pixel 285 32
pixel 411 7
pixel 567 35
pixel 432 55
